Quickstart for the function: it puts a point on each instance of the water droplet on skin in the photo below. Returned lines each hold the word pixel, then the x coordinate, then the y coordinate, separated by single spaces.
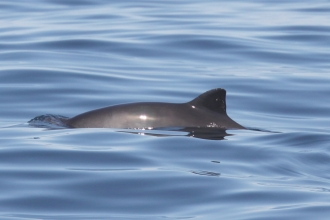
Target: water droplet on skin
pixel 143 117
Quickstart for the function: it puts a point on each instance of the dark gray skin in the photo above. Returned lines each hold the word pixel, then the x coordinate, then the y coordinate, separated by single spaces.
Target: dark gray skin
pixel 207 110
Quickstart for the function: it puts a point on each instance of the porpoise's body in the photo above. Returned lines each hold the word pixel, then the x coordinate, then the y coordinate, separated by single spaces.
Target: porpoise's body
pixel 207 110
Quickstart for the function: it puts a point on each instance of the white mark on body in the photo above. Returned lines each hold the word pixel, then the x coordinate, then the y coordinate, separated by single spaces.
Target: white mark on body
pixel 212 125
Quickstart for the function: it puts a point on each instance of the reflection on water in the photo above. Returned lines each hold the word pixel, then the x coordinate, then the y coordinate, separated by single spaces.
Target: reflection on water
pixel 202 133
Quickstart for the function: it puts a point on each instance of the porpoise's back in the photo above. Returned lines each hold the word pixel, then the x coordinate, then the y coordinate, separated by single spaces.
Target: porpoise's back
pixel 207 110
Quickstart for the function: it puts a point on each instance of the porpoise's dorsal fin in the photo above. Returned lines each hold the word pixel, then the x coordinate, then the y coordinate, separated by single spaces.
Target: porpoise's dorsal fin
pixel 214 100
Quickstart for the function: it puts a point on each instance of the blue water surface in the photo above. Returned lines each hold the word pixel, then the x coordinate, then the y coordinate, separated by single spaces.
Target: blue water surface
pixel 67 57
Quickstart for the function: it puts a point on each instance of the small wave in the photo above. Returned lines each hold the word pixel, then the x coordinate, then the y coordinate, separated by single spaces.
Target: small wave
pixel 205 173
pixel 49 121
pixel 261 130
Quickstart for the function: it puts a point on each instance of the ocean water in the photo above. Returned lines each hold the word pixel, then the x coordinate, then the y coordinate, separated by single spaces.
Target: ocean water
pixel 67 57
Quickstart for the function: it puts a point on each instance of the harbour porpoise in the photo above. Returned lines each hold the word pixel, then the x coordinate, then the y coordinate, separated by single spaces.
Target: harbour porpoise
pixel 206 110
